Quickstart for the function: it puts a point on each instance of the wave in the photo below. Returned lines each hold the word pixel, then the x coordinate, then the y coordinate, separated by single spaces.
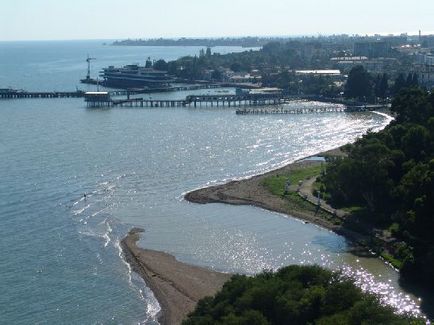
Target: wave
pixel 80 211
pixel 107 233
pixel 153 308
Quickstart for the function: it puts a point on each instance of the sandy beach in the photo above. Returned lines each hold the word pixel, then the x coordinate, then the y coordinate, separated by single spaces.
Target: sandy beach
pixel 176 285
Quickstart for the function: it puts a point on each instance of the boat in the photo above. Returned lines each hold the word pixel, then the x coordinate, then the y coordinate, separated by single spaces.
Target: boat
pixel 135 76
pixel 90 81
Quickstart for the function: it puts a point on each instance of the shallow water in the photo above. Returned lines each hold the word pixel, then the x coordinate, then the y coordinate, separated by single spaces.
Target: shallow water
pixel 61 256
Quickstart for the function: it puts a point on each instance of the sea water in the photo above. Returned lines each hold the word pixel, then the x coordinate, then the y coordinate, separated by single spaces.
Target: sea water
pixel 61 261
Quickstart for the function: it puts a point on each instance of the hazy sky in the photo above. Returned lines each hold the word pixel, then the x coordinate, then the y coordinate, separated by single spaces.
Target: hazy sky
pixel 119 19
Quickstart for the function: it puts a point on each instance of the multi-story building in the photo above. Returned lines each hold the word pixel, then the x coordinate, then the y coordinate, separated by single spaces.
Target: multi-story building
pixel 372 49
pixel 377 65
pixel 425 69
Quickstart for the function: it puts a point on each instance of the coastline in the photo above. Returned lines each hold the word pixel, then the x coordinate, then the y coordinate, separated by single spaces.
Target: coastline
pixel 177 286
pixel 250 191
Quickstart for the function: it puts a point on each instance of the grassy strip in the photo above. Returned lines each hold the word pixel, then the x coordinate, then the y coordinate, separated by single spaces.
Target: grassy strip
pixel 392 260
pixel 296 202
pixel 276 185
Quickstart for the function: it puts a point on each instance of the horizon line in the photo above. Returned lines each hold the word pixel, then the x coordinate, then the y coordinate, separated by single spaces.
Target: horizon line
pixel 317 35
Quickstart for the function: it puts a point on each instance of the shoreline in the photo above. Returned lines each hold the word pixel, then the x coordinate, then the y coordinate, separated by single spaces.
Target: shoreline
pixel 176 285
pixel 250 191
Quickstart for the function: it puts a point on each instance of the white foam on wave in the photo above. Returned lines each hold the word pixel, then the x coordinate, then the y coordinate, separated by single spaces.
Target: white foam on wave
pixel 90 233
pixel 122 257
pixel 388 119
pixel 98 212
pixel 77 202
pixel 80 211
pixel 107 233
pixel 153 308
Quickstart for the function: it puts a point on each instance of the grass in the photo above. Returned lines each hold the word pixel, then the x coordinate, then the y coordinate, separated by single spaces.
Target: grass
pixel 296 202
pixel 354 209
pixel 392 260
pixel 276 185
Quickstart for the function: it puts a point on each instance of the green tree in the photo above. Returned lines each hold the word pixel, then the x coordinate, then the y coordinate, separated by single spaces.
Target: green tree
pixel 381 85
pixel 399 84
pixel 413 106
pixel 161 65
pixel 359 84
pixel 293 295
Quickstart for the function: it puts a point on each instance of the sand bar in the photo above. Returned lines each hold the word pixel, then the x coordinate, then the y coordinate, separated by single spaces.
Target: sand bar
pixel 251 192
pixel 176 285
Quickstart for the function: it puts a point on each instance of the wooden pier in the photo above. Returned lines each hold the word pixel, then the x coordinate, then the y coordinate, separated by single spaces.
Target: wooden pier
pixel 17 94
pixel 94 99
pixel 237 101
pixel 22 94
pixel 257 104
pixel 140 102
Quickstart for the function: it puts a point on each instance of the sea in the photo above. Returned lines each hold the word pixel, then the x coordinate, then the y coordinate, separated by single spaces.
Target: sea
pixel 61 261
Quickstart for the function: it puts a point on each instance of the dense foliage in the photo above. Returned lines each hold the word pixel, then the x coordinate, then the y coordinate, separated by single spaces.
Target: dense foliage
pixel 390 175
pixel 293 295
pixel 359 84
pixel 368 87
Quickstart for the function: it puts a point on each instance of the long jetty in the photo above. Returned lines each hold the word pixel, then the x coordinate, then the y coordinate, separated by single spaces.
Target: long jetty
pixel 247 104
pixel 18 94
pixel 22 94
pixel 250 104
pixel 96 100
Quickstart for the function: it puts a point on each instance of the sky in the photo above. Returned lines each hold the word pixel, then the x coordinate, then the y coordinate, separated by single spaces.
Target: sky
pixel 121 19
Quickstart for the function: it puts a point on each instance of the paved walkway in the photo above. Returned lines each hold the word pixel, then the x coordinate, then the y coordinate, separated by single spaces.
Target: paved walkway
pixel 305 191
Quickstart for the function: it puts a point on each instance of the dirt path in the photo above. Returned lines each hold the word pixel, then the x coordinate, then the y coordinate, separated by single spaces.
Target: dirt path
pixel 306 191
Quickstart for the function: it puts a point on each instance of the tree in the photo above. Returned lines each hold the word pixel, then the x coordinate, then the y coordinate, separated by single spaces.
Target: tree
pixel 161 65
pixel 359 84
pixel 216 75
pixel 381 85
pixel 391 173
pixel 235 67
pixel 148 63
pixel 412 105
pixel 293 295
pixel 400 83
pixel 208 52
